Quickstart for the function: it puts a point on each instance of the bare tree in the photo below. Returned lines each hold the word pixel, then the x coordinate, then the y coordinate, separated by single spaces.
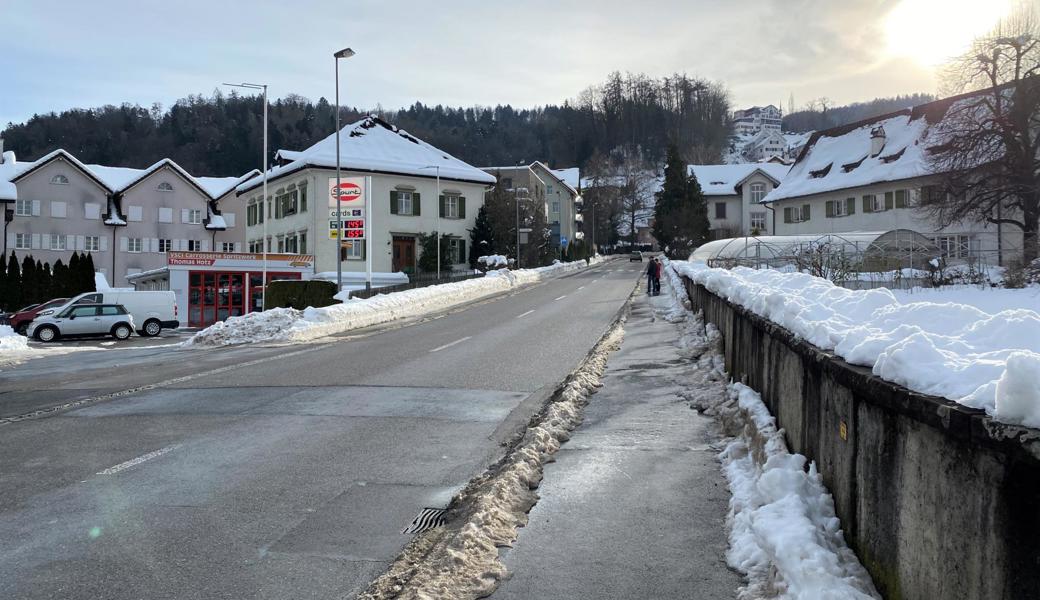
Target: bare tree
pixel 637 184
pixel 988 144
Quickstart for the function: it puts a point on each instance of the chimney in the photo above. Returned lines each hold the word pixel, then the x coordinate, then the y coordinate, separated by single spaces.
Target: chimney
pixel 877 140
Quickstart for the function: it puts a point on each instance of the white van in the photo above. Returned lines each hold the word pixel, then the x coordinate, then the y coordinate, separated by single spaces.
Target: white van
pixel 152 311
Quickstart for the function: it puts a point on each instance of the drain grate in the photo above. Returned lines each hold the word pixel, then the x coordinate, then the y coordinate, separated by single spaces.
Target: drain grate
pixel 427 519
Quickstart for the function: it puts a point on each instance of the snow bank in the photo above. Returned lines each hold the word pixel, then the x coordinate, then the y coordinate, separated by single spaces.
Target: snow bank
pixel 12 345
pixel 493 260
pixel 290 325
pixel 945 349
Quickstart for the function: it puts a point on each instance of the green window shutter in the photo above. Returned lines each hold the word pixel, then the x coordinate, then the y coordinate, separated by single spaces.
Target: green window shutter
pixel 440 202
pixel 850 206
pixel 462 251
pixel 889 201
pixel 462 211
pixel 805 212
pixel 900 198
pixel 787 215
pixel 303 199
pixel 867 204
pixel 830 209
pixel 393 202
pixel 416 204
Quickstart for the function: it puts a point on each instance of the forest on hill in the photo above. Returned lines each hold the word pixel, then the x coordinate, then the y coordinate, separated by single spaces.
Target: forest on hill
pixel 822 114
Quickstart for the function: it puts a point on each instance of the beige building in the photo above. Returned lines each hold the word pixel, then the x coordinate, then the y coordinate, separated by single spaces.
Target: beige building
pixel 734 195
pixel 403 177
pixel 557 189
pixel 127 219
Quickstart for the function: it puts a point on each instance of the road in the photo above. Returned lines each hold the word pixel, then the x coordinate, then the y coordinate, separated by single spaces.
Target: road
pixel 273 471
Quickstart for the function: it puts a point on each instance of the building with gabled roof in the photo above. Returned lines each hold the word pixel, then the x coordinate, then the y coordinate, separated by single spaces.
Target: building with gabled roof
pixel 557 189
pixel 734 194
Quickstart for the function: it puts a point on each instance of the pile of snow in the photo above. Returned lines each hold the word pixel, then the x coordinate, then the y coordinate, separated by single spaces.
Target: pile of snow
pixel 290 325
pixel 12 345
pixel 493 261
pixel 982 360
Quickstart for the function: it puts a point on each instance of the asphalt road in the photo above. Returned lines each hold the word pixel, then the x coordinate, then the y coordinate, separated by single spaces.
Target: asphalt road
pixel 273 471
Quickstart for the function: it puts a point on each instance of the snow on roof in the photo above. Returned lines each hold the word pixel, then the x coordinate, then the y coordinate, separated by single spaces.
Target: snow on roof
pixel 218 186
pixel 216 222
pixel 722 180
pixel 372 144
pixel 571 176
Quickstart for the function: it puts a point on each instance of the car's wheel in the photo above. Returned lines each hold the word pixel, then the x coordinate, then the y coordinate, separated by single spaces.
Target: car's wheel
pixel 121 331
pixel 23 328
pixel 46 334
pixel 152 327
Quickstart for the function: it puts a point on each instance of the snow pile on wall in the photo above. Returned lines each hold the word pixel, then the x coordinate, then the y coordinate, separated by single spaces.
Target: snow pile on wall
pixel 494 260
pixel 290 325
pixel 979 359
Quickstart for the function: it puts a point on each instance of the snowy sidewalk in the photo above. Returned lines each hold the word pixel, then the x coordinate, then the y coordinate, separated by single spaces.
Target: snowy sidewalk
pixel 634 505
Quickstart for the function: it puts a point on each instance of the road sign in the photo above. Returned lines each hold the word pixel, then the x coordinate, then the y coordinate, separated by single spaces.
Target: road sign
pixel 351 192
pixel 563 241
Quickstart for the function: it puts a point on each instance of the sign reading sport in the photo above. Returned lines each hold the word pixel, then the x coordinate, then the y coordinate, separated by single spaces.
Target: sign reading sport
pixel 351 192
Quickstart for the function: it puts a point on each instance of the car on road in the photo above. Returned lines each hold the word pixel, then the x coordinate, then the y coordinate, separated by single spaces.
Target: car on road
pixel 82 320
pixel 635 256
pixel 152 310
pixel 20 320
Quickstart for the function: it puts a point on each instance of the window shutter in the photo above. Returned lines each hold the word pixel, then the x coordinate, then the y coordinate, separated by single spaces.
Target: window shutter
pixel 81 242
pixel 205 245
pixel 462 208
pixel 805 212
pixel 440 202
pixel 867 204
pixel 889 200
pixel 462 251
pixel 35 208
pixel 154 242
pixel 123 243
pixel 900 198
pixel 393 202
pixel 830 209
pixel 238 246
pixel 850 206
pixel 185 215
pixel 104 244
pixel 10 241
pixel 35 242
pixel 416 204
pixel 788 218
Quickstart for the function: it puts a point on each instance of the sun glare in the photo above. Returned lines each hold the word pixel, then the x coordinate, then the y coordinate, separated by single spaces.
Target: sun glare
pixel 932 31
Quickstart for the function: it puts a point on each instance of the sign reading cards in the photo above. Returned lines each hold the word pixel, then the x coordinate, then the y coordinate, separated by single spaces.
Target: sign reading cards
pixel 351 192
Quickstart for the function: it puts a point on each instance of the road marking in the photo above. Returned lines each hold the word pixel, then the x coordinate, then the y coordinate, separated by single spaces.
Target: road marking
pixel 439 348
pixel 581 288
pixel 136 461
pixel 561 297
pixel 525 314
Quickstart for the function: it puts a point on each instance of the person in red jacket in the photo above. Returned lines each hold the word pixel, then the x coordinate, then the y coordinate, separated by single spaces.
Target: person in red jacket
pixel 657 276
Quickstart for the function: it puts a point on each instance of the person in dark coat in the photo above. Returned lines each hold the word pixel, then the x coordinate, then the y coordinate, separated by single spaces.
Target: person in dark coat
pixel 651 274
pixel 657 276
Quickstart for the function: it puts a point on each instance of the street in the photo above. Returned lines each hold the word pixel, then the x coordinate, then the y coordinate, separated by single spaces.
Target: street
pixel 272 471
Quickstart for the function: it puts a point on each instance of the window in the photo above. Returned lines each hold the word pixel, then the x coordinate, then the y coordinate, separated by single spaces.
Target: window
pixel 194 246
pixel 873 203
pixel 285 204
pixel 22 241
pixel 58 209
pixel 165 246
pixel 59 180
pixel 507 183
pixel 302 236
pixel 57 241
pixel 112 310
pixel 957 246
pixel 548 189
pixel 720 210
pixel 82 311
pixel 355 251
pixel 92 243
pixel 556 206
pixel 758 191
pixel 758 221
pixel 255 246
pixel 457 250
pixel 303 199
pixel 133 245
pixel 92 210
pixel 281 243
pixel 805 212
pixel 165 215
pixel 227 247
pixel 251 212
pixel 404 203
pixel 451 206
pixel 23 207
pixel 195 216
pixel 164 187
pixel 135 213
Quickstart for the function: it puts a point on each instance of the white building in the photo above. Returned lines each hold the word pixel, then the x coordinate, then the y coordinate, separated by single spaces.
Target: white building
pixel 751 121
pixel 127 219
pixel 734 194
pixel 403 175
pixel 868 176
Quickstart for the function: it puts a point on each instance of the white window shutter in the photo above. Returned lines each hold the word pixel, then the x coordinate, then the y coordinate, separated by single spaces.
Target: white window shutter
pixel 104 244
pixel 35 241
pixel 166 215
pixel 36 208
pixel 91 210
pixel 229 218
pixel 205 245
pixel 10 242
pixel 135 213
pixel 57 209
pixel 122 243
pixel 238 246
pixel 183 244
pixel 153 244
pixel 81 242
pixel 185 215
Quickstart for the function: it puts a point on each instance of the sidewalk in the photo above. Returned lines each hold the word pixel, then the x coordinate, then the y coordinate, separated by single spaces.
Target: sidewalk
pixel 634 505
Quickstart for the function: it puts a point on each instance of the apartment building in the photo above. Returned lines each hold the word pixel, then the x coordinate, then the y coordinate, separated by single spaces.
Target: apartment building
pixel 557 189
pixel 751 121
pixel 734 195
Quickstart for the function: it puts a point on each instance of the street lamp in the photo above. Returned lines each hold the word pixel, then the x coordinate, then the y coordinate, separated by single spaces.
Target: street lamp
pixel 344 53
pixel 438 217
pixel 263 203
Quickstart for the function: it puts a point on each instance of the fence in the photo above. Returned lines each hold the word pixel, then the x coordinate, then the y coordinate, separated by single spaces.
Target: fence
pixel 419 280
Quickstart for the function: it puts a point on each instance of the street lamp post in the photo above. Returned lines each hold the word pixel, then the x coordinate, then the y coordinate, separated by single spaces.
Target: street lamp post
pixel 263 203
pixel 438 217
pixel 344 53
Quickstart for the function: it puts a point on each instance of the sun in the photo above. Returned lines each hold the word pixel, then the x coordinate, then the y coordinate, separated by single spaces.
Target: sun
pixel 932 31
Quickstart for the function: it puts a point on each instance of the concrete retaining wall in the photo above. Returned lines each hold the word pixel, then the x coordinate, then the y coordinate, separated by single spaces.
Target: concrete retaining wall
pixel 936 499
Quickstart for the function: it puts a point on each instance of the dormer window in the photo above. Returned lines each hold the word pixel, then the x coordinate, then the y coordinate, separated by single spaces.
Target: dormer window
pixel 817 174
pixel 164 187
pixel 59 180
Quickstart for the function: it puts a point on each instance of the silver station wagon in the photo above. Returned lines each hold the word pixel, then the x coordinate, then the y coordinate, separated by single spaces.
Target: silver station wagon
pixel 81 320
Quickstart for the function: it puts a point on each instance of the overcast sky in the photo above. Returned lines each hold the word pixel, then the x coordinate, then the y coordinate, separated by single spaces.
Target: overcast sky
pixel 63 54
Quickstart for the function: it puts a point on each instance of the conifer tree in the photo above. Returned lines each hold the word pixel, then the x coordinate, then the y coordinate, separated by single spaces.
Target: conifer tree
pixel 681 212
pixel 30 283
pixel 73 277
pixel 482 237
pixel 3 287
pixel 43 271
pixel 15 297
pixel 62 284
pixel 86 265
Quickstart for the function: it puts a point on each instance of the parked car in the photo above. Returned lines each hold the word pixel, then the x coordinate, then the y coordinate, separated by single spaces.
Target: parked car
pixel 19 320
pixel 79 320
pixel 635 256
pixel 153 311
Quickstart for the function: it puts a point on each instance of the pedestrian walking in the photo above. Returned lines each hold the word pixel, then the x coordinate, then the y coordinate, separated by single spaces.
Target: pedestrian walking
pixel 651 273
pixel 657 276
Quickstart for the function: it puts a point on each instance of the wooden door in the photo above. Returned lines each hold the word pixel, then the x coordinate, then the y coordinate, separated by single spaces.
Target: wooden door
pixel 403 254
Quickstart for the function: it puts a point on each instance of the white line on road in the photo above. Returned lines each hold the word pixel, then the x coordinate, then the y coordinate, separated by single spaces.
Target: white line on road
pixel 439 348
pixel 525 314
pixel 561 297
pixel 581 288
pixel 136 461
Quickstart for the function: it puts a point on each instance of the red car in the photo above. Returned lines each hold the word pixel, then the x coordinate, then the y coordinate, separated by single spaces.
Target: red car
pixel 20 320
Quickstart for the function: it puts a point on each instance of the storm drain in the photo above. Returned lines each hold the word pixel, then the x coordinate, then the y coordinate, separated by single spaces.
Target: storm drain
pixel 427 519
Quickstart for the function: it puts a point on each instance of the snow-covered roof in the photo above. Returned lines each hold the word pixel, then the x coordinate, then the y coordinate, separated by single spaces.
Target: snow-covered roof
pixel 722 180
pixel 374 145
pixel 571 176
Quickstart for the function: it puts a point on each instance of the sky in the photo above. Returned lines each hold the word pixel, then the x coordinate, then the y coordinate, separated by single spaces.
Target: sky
pixel 80 54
